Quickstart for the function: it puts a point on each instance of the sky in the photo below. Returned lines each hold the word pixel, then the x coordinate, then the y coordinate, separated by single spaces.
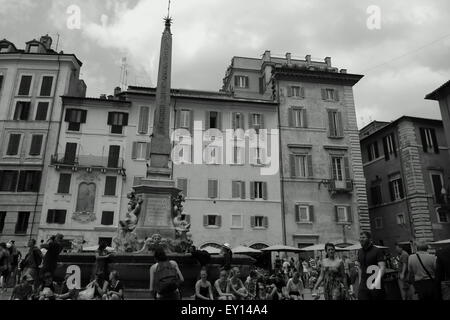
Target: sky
pixel 404 52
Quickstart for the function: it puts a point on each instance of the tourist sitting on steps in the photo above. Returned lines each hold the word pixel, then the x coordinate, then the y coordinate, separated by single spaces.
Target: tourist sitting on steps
pixel 24 290
pixel 203 288
pixel 114 290
pixel 236 285
pixel 222 286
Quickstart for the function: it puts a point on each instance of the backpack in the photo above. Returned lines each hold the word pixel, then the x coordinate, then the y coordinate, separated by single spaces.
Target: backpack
pixel 166 278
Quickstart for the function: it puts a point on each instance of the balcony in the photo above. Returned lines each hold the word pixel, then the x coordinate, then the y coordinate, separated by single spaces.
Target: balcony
pixel 338 186
pixel 89 162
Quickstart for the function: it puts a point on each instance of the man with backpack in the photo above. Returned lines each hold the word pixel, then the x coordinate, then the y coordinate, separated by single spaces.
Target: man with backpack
pixel 30 264
pixel 165 277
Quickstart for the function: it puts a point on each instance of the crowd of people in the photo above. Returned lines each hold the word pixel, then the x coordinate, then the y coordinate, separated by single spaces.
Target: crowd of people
pixel 421 275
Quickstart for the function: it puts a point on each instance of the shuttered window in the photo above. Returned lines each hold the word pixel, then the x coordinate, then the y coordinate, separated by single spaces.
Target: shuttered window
pixel 304 213
pixel 29 181
pixel 213 186
pixel 143 120
pixel 396 189
pixel 212 221
pixel 296 91
pixel 41 112
pixel 8 180
pixel 13 145
pixel 46 87
pixel 256 121
pixel 237 120
pixel 113 156
pixel 64 183
pixel 241 82
pixel 258 190
pixel 343 214
pixel 110 186
pixel 56 216
pixel 117 120
pixel 429 140
pixel 36 145
pixel 107 218
pixel 25 85
pixel 22 222
pixel 22 111
pixel 301 166
pixel 238 189
pixel 75 117
pixel 330 94
pixel 298 118
pixel 259 222
pixel 335 124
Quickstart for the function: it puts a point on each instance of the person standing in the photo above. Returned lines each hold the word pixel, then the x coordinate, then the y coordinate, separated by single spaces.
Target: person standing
pixel 405 287
pixel 371 259
pixel 30 264
pixel 54 248
pixel 101 261
pixel 333 275
pixel 165 277
pixel 5 266
pixel 422 266
pixel 15 256
pixel 227 257
pixel 443 273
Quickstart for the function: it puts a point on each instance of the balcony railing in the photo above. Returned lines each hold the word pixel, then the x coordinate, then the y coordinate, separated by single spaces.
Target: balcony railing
pixel 340 186
pixel 88 162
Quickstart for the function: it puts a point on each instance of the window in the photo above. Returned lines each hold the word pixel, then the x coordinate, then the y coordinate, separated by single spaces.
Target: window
pixel 304 213
pixel 75 117
pixel 22 111
pixel 46 86
pixel 212 221
pixel 337 172
pixel 213 120
pixel 401 219
pixel 375 192
pixel 141 151
pixel 372 151
pixel 389 147
pixel 438 188
pixel 56 216
pixel 296 91
pixel 34 48
pixel 64 183
pixel 41 112
pixel 8 181
pixel 443 216
pixel 330 95
pixel 25 85
pixel 22 222
pixel 241 82
pixel 106 241
pixel 256 120
pixel 238 153
pixel 70 153
pixel 396 188
pixel 429 140
pixel 213 186
pixel 113 156
pixel 2 221
pixel 13 144
pixel 182 184
pixel 185 121
pixel 236 221
pixel 298 118
pixel 378 223
pixel 143 120
pixel 107 218
pixel 301 166
pixel 4 48
pixel 238 189
pixel 335 124
pixel 238 120
pixel 110 186
pixel 29 181
pixel 36 144
pixel 1 80
pixel 259 222
pixel 343 214
pixel 258 190
pixel 117 120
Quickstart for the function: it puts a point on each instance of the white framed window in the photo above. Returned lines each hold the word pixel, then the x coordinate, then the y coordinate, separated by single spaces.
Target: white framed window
pixel 14 144
pixel 335 124
pixel 22 110
pixel 429 138
pixel 299 117
pixel 256 119
pixel 46 86
pixel 41 110
pixel 296 91
pixel 259 190
pixel 337 167
pixel 241 82
pixel 378 223
pixel 442 216
pixel 185 119
pixel 439 191
pixel 212 221
pixel 141 151
pixel 390 144
pixel 330 94
pixel 303 214
pixel 237 221
pixel 259 222
pixel 25 85
pixel 301 165
pixel 401 219
pixel 342 214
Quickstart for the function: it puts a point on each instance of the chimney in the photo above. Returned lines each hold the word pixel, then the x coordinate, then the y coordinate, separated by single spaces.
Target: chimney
pixel 46 41
pixel 328 61
pixel 103 96
pixel 288 58
pixel 308 59
pixel 111 97
pixel 117 90
pixel 266 56
pixel 343 71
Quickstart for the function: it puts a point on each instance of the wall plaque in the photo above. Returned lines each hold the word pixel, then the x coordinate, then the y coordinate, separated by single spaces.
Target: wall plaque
pixel 158 211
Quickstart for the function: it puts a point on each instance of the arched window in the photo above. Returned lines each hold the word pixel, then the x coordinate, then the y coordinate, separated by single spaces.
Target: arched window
pixel 86 197
pixel 259 246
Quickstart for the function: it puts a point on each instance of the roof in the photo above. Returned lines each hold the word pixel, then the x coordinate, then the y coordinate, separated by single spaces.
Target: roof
pixel 319 75
pixel 439 92
pixel 90 99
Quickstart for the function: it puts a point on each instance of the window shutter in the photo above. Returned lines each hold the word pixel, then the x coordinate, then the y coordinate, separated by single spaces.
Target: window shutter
pixel 182 184
pixel 324 94
pixel 386 149
pixel 265 194
pixel 252 222
pixel 191 122
pixel 377 153
pixel 435 142
pixel 263 124
pixel 46 88
pixel 250 121
pixel 64 183
pixel 340 123
pixel 110 118
pixel 36 145
pixel 233 121
pixel 219 120
pixel 424 140
pixel 243 196
pixel 216 187
pixel 292 163
pixel 61 216
pixel 212 189
pixel 266 222
pixel 349 214
pixel 289 91
pixel 207 120
pixel 400 188
pixel 336 213
pixel 234 190
pixel 331 127
pixel 83 116
pixel 178 118
pixel 336 95
pixel 252 190
pixel 311 214
pixel 125 119
pixel 347 168
pixel 236 81
pixel 148 150
pixel 205 221
pixel 134 151
pixel 302 92
pixel 391 190
pixel 26 111
pixel 68 116
pixel 218 221
pixel 310 166
pixel 297 213
pixel 41 112
pixel 143 120
pixel 261 85
pixel 305 118
pixel 13 145
pixel 25 84
pixel 110 186
pixel 22 181
pixel 50 216
pixel 292 118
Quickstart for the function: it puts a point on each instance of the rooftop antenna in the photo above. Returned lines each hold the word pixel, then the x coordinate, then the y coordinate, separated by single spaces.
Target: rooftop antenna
pixel 57 41
pixel 124 74
pixel 168 10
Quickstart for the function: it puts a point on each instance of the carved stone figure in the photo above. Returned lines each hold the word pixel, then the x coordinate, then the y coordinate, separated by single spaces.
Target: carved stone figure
pixel 127 240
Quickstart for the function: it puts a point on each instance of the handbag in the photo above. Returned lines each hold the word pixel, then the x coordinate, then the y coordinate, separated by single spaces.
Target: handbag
pixel 87 294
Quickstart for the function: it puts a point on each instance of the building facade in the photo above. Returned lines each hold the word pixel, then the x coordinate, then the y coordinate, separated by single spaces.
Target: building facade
pixel 406 165
pixel 322 181
pixel 31 82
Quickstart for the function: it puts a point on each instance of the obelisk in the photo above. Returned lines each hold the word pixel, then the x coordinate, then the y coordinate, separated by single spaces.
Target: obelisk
pixel 158 189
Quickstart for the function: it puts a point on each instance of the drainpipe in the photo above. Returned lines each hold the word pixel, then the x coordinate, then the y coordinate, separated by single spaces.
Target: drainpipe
pixel 45 149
